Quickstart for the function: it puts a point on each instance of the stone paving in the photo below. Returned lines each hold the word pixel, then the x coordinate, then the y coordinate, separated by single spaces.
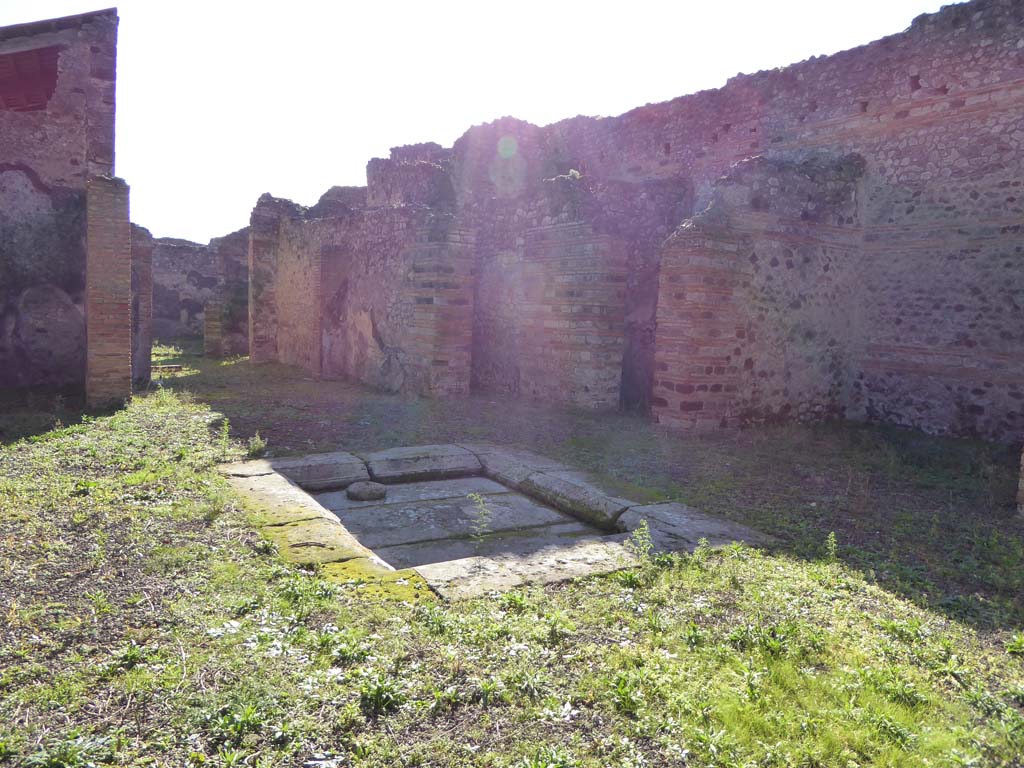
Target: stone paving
pixel 456 521
pixel 438 520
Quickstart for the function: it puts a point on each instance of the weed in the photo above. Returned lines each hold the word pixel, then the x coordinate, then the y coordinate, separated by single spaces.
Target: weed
pixel 341 648
pixel 481 524
pixel 530 683
pixel 515 602
pixel 79 750
pixel 433 619
pixel 692 636
pixel 231 725
pixel 640 544
pixel 380 694
pixel 831 548
pixel 446 700
pixel 547 757
pixel 559 627
pixel 225 438
pixel 630 578
pixel 257 447
pixel 1015 645
pixel 627 697
pixel 489 692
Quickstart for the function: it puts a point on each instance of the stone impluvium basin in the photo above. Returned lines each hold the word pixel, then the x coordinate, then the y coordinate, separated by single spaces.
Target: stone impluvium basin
pixel 456 521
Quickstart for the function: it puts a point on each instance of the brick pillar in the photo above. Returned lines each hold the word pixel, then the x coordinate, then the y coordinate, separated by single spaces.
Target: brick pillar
pixel 142 306
pixel 695 377
pixel 213 328
pixel 108 293
pixel 264 232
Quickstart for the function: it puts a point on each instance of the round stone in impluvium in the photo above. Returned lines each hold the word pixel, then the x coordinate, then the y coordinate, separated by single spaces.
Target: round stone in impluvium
pixel 365 490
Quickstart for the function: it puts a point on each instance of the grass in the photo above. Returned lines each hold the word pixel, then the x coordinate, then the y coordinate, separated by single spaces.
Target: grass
pixel 145 624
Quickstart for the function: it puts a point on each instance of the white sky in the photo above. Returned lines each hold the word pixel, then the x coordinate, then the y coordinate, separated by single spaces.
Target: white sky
pixel 220 101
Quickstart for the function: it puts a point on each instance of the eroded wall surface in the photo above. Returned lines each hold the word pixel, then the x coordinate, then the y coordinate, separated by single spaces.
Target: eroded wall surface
pixel 57 99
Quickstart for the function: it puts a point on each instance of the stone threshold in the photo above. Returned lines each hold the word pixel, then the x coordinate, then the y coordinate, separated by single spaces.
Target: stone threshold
pixel 306 532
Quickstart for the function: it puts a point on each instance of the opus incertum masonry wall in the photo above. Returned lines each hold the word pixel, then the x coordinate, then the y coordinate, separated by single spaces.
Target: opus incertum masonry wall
pixel 838 238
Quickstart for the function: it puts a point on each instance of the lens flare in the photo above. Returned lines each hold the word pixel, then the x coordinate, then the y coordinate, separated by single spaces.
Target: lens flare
pixel 507 147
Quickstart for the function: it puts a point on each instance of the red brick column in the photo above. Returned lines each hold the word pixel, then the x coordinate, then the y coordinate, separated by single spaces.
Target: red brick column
pixel 695 381
pixel 108 293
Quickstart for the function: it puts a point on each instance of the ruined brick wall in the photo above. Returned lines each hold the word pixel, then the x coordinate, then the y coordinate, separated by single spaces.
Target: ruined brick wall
pixel 213 332
pixel 380 295
pixel 186 275
pixel 56 131
pixel 935 113
pixel 804 292
pixel 567 288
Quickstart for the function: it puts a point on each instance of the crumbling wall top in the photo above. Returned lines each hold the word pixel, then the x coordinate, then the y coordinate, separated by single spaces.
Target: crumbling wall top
pixel 49 26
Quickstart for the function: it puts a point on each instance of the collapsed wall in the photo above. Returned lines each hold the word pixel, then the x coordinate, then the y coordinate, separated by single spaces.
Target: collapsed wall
pixel 59 328
pixel 841 237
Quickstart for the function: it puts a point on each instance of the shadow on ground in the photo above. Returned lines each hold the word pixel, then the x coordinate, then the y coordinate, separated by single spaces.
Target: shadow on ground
pixel 31 414
pixel 929 518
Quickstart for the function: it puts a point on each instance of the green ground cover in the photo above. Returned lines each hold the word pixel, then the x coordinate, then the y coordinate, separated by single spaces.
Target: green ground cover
pixel 145 623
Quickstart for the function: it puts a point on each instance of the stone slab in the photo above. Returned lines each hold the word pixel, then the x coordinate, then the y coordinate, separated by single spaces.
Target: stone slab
pixel 405 493
pixel 422 462
pixel 315 541
pixel 338 469
pixel 393 524
pixel 518 542
pixel 272 499
pixel 677 527
pixel 511 466
pixel 577 497
pixel 477 576
pixel 254 468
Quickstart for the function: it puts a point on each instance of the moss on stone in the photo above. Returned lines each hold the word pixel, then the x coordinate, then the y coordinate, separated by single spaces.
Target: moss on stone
pixel 314 541
pixel 372 580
